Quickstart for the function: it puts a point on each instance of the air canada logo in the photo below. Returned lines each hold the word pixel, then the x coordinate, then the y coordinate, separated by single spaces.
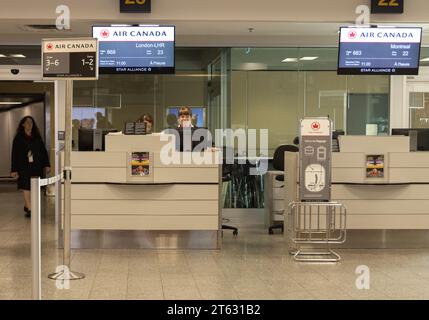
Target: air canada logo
pixel 104 33
pixel 352 34
pixel 315 126
pixel 49 46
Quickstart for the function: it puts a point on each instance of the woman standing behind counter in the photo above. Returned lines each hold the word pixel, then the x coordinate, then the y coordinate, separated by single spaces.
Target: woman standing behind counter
pixel 29 158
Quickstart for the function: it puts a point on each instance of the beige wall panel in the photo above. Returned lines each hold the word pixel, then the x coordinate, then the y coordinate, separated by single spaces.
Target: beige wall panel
pixel 114 175
pixel 278 205
pixel 349 175
pixel 365 192
pixel 186 175
pixel 279 193
pixel 129 222
pixel 348 160
pixel 145 207
pixel 374 144
pixel 130 143
pixel 386 207
pixel 384 222
pixel 98 159
pixel 401 175
pixel 140 192
pixel 190 160
pixel 409 160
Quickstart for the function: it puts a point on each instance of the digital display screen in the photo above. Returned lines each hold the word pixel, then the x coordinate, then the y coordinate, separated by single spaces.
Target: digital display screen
pixel 135 49
pixel 394 51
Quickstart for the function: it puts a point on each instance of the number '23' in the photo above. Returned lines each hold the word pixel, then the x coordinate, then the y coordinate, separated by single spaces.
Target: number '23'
pixel 135 1
pixel 388 3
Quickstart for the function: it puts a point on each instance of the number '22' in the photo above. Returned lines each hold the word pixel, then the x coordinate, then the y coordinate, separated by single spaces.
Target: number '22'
pixel 388 3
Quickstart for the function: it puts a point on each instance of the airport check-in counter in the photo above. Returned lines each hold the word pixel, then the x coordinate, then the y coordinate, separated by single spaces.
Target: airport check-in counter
pixel 128 197
pixel 383 185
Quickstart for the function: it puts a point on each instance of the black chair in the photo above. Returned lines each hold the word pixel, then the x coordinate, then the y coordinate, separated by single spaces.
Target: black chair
pixel 279 164
pixel 227 177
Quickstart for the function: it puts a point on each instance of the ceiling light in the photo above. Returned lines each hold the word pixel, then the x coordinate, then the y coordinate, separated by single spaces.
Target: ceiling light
pixel 253 66
pixel 425 59
pixel 308 58
pixel 2 56
pixel 17 56
pixel 290 60
pixel 9 102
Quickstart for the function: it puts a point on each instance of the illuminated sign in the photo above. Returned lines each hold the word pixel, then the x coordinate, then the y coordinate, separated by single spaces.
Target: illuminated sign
pixel 70 59
pixel 132 6
pixel 387 6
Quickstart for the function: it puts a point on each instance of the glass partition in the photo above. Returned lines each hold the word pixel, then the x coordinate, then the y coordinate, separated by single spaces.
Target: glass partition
pixel 115 99
pixel 273 88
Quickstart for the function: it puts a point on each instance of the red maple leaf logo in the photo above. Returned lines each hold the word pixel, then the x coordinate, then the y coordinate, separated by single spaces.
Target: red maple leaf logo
pixel 50 46
pixel 315 126
pixel 104 33
pixel 352 34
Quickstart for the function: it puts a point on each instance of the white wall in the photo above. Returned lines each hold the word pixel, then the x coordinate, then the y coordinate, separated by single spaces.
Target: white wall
pixel 220 10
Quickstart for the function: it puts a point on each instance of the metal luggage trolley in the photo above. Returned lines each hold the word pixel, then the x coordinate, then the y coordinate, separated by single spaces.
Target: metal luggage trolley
pixel 314 224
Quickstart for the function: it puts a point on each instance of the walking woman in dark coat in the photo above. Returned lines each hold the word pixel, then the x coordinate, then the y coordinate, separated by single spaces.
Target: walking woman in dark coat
pixel 29 158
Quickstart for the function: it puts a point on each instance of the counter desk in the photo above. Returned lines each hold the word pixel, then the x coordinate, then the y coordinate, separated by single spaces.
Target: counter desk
pixel 384 187
pixel 133 196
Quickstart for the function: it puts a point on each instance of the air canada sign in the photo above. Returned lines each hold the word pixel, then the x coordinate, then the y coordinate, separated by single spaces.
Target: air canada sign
pixel 386 35
pixel 70 59
pixel 138 33
pixel 86 46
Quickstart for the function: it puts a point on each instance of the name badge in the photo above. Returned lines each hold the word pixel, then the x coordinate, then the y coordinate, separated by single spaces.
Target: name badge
pixel 30 157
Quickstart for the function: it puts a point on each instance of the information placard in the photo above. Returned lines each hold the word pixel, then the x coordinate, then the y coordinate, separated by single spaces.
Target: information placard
pixel 394 51
pixel 70 59
pixel 315 159
pixel 136 49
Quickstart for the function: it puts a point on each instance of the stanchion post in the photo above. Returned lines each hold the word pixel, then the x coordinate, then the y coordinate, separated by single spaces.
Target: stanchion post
pixel 36 266
pixel 66 273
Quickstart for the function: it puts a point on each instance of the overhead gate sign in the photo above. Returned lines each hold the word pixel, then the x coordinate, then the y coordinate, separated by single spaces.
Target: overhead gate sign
pixel 70 59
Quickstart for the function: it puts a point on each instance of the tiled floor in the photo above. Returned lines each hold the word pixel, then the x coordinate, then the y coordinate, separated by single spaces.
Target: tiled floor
pixel 252 266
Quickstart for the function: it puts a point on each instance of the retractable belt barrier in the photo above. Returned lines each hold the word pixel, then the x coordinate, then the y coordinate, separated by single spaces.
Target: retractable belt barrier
pixel 36 243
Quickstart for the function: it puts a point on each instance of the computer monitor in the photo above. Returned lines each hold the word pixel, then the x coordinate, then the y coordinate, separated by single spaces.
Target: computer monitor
pixel 93 139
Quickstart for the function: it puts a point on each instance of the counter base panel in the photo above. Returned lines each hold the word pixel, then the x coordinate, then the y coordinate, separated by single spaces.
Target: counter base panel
pixel 136 222
pixel 381 239
pixel 127 239
pixel 387 239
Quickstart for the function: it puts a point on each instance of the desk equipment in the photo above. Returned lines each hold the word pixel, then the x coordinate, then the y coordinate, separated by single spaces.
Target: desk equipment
pixel 93 139
pixel 274 195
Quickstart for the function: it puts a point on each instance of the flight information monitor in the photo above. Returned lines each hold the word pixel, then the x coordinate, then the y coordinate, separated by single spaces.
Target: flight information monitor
pixel 135 49
pixel 394 51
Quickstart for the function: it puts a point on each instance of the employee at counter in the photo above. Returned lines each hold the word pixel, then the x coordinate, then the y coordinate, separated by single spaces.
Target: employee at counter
pixel 185 118
pixel 148 120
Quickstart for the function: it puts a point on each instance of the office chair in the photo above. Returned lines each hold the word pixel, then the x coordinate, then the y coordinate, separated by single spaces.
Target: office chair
pixel 227 177
pixel 279 164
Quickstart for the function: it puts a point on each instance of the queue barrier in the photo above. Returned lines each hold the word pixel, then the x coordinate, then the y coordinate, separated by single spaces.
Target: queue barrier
pixel 36 241
pixel 315 226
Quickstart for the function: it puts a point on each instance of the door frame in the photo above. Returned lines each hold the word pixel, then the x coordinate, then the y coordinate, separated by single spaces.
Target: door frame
pixel 33 73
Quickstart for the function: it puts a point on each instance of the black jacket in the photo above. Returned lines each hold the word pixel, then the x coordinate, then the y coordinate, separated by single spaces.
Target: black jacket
pixel 21 147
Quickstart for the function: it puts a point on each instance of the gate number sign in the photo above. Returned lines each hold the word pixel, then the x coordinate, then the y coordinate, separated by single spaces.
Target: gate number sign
pixel 70 59
pixel 387 6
